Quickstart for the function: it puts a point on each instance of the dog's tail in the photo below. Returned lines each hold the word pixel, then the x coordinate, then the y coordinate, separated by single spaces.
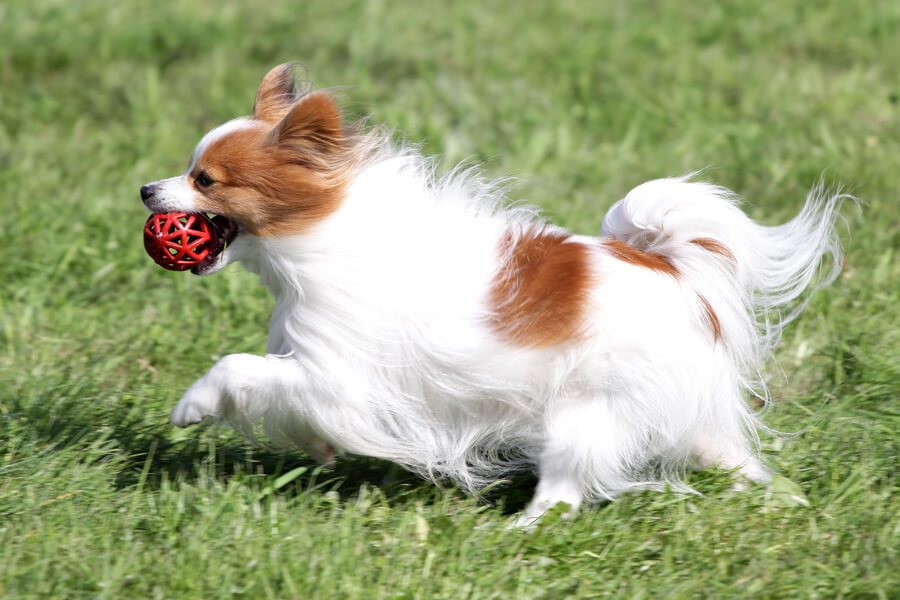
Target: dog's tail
pixel 750 280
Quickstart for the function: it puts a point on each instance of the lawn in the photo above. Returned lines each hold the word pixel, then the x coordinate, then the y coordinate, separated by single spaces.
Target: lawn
pixel 579 101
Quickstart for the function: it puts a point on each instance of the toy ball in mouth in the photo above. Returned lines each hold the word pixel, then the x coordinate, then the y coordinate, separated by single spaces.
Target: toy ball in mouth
pixel 180 241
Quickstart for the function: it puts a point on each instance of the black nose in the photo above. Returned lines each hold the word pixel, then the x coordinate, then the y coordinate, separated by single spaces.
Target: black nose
pixel 146 192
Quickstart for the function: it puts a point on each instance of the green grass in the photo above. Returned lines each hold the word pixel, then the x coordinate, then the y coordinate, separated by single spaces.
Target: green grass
pixel 100 497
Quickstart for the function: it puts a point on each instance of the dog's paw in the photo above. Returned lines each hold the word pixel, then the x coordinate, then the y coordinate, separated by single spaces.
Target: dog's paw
pixel 200 401
pixel 523 523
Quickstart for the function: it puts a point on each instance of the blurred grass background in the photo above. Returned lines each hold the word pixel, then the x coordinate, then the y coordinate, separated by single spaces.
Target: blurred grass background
pixel 581 101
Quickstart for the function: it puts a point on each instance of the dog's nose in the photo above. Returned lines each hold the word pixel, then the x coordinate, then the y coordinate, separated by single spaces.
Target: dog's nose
pixel 146 192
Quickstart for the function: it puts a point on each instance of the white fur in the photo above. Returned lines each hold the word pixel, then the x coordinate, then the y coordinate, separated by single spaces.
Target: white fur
pixel 380 342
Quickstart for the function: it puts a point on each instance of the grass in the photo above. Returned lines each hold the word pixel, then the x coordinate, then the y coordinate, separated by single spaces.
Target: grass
pixel 101 498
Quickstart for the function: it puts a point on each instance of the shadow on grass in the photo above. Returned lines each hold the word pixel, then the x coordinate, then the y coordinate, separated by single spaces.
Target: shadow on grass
pixel 154 456
pixel 149 454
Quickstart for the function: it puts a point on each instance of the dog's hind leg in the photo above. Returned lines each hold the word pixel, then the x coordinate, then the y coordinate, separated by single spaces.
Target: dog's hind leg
pixel 586 455
pixel 731 452
pixel 556 483
pixel 726 437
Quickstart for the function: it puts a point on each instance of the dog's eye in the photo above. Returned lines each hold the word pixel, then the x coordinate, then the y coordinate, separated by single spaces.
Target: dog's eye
pixel 203 180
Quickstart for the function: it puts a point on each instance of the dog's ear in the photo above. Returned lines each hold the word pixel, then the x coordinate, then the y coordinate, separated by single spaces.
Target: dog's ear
pixel 277 93
pixel 312 125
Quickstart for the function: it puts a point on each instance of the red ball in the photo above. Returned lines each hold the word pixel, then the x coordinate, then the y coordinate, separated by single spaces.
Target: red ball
pixel 179 241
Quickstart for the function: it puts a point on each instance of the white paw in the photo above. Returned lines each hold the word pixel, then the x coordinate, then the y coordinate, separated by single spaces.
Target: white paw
pixel 524 522
pixel 201 400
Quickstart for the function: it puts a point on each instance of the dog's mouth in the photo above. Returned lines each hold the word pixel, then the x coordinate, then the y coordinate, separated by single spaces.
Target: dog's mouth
pixel 226 232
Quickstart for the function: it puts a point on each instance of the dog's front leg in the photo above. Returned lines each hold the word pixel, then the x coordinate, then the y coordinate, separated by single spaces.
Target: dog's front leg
pixel 230 384
pixel 240 388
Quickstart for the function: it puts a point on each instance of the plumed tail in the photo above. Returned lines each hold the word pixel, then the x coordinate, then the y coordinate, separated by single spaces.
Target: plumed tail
pixel 751 280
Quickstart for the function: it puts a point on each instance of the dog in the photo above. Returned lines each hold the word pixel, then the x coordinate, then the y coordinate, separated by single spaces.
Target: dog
pixel 426 320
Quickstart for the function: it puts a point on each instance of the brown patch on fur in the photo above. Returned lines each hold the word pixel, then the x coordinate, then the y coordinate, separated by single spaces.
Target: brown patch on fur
pixel 539 297
pixel 715 247
pixel 711 318
pixel 649 260
pixel 283 178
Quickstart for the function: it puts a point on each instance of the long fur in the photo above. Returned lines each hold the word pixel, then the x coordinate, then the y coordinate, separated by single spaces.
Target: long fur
pixel 381 341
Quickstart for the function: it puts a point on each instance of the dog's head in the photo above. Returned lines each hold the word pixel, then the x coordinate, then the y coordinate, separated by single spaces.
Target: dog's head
pixel 275 173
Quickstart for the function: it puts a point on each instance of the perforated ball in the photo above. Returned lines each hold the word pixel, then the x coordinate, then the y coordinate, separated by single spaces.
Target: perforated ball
pixel 179 241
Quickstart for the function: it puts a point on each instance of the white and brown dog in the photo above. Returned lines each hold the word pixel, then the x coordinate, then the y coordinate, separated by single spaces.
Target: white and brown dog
pixel 424 320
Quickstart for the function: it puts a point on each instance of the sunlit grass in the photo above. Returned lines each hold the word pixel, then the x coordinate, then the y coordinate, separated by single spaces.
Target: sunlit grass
pixel 100 497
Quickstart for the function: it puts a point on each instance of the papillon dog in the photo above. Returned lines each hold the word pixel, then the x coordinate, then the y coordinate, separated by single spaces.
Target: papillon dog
pixel 426 320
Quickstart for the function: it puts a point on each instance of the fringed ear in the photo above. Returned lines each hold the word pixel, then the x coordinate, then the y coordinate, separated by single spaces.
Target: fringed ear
pixel 276 94
pixel 313 124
